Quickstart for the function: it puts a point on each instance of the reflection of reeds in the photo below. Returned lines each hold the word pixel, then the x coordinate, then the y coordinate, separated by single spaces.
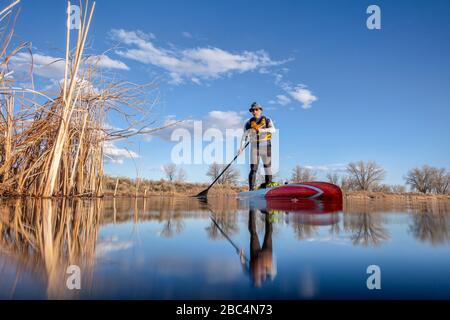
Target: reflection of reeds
pixel 54 146
pixel 50 236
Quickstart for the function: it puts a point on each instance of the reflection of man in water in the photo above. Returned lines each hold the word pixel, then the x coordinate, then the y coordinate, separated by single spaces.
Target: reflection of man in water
pixel 261 258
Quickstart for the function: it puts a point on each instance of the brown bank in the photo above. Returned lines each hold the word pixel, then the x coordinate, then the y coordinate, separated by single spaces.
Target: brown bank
pixel 126 187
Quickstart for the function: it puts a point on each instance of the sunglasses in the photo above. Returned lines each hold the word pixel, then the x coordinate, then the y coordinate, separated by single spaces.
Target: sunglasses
pixel 253 110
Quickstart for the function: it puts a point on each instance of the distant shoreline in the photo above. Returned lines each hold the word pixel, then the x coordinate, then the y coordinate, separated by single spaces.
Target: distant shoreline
pixel 126 188
pixel 184 189
pixel 391 196
pixel 354 195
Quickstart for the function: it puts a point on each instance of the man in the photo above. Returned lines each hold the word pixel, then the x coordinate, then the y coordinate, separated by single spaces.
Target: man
pixel 262 265
pixel 259 129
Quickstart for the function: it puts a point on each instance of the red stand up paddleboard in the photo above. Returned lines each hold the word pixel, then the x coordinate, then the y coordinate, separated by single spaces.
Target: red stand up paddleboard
pixel 297 191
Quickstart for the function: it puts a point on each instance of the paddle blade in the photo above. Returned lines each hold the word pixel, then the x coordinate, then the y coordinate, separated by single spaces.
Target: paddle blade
pixel 203 194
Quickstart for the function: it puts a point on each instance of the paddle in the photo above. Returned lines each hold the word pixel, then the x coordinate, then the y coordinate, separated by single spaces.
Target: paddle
pixel 204 193
pixel 239 251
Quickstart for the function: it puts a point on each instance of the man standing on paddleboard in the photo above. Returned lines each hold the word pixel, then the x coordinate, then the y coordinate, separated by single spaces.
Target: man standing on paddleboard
pixel 259 130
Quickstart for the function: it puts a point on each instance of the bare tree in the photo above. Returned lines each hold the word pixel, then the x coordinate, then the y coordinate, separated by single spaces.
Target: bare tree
pixel 440 180
pixel 382 188
pixel 365 174
pixel 181 176
pixel 301 174
pixel 230 176
pixel 170 170
pixel 213 170
pixel 398 188
pixel 421 179
pixel 333 178
pixel 348 183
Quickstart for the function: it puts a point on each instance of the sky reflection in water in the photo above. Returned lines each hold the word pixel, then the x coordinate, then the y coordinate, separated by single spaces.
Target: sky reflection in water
pixel 168 248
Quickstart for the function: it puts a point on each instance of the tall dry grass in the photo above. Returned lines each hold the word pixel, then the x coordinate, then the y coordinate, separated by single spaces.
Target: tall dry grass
pixel 54 146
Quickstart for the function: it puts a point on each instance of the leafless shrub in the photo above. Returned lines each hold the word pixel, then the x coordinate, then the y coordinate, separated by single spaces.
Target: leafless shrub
pixel 365 175
pixel 181 175
pixel 426 179
pixel 348 184
pixel 170 170
pixel 441 181
pixel 382 188
pixel 230 176
pixel 333 178
pixel 302 174
pixel 398 188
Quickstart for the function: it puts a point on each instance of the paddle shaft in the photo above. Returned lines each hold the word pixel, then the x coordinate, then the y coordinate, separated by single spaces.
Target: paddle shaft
pixel 237 155
pixel 238 250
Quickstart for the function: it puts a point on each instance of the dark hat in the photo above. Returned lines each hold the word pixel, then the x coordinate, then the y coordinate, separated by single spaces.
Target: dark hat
pixel 255 105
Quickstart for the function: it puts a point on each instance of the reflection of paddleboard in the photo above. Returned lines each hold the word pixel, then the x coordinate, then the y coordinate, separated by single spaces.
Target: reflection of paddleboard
pixel 297 191
pixel 305 205
pixel 313 219
pixel 287 205
pixel 303 211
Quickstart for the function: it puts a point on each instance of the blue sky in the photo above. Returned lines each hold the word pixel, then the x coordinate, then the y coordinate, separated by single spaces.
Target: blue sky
pixel 337 91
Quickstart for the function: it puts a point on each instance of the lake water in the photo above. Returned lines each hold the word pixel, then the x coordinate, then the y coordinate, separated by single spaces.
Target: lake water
pixel 176 248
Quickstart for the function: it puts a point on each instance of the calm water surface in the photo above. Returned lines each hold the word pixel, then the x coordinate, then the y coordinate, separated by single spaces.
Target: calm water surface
pixel 174 248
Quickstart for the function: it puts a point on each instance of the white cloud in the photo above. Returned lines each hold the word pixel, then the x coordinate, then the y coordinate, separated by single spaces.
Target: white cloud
pixel 282 100
pixel 103 61
pixel 45 66
pixel 194 63
pixel 278 79
pixel 175 78
pixel 186 35
pixel 221 120
pixel 196 80
pixel 114 154
pixel 224 120
pixel 299 92
pixel 53 67
pixel 110 244
pixel 303 95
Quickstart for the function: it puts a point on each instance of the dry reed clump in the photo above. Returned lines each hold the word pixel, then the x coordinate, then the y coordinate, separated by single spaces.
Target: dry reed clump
pixel 54 146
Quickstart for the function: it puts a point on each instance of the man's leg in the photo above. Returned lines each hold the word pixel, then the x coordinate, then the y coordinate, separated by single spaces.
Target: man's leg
pixel 254 241
pixel 266 157
pixel 252 176
pixel 267 244
pixel 254 159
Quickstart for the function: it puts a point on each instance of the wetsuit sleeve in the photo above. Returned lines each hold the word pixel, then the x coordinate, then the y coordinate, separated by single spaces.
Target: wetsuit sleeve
pixel 244 137
pixel 245 134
